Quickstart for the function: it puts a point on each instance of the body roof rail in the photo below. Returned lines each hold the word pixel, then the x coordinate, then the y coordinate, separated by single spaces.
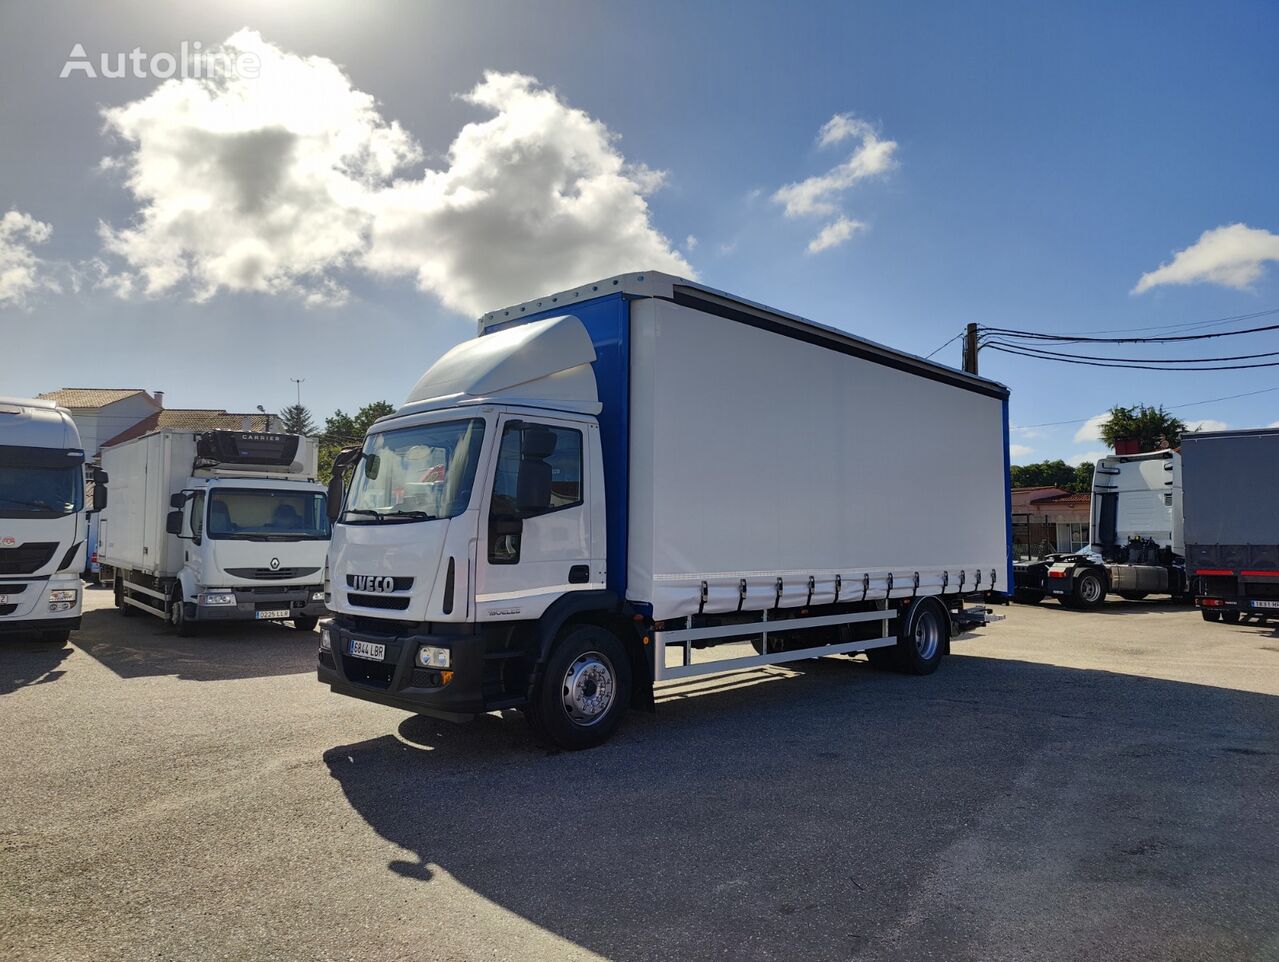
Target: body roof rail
pixel 680 290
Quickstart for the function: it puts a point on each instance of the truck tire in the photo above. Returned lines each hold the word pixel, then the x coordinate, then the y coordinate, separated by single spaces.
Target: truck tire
pixel 1133 595
pixel 1210 615
pixel 126 611
pixel 584 691
pixel 178 620
pixel 1090 590
pixel 922 635
pixel 1230 617
pixel 305 622
pixel 1027 596
pixel 59 637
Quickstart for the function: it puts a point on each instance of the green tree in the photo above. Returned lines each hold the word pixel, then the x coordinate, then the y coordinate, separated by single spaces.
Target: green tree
pixel 342 430
pixel 297 420
pixel 1056 473
pixel 1151 426
pixel 1083 478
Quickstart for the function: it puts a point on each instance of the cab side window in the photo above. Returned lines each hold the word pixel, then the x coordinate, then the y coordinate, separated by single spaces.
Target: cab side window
pixel 539 471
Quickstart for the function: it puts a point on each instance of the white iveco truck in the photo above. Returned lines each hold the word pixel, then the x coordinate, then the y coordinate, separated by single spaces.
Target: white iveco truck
pixel 42 518
pixel 1135 532
pixel 610 483
pixel 216 526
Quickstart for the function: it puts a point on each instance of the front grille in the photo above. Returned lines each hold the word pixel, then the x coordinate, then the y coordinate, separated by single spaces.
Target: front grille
pixel 270 574
pixel 370 673
pixel 12 589
pixel 26 559
pixel 385 602
pixel 7 610
pixel 400 584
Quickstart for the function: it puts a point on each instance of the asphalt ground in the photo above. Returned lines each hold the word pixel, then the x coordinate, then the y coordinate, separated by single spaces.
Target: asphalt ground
pixel 1066 786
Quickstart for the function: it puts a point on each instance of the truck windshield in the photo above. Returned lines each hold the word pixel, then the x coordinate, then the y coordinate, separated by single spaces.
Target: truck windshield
pixel 240 514
pixel 39 482
pixel 415 474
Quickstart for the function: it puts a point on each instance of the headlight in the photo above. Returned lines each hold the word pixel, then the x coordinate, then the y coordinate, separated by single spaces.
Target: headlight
pixel 317 595
pixel 214 599
pixel 429 656
pixel 63 594
pixel 326 641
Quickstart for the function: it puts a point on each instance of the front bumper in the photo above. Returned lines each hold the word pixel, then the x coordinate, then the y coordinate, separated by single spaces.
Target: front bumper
pixel 26 605
pixel 296 600
pixel 398 681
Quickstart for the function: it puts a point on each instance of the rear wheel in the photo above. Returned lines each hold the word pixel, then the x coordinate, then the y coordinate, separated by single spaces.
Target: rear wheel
pixel 1133 595
pixel 584 691
pixel 1027 596
pixel 1210 615
pixel 1230 617
pixel 1090 590
pixel 923 630
pixel 126 610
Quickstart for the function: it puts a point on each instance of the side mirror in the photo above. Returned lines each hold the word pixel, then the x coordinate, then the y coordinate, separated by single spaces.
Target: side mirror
pixel 100 476
pixel 337 493
pixel 173 523
pixel 177 499
pixel 99 494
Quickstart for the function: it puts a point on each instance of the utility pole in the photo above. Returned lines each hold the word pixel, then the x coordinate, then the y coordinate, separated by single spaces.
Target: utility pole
pixel 970 349
pixel 298 381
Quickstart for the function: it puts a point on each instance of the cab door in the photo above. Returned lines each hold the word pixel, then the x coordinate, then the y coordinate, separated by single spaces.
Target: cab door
pixel 541 523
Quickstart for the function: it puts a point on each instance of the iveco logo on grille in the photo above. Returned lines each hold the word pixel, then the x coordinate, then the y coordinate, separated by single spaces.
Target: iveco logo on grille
pixel 371 583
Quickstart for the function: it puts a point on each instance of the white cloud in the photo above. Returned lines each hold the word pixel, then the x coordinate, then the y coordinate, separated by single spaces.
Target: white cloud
pixel 1233 256
pixel 1026 433
pixel 22 272
pixel 1019 450
pixel 1088 457
pixel 1090 430
pixel 1206 424
pixel 817 195
pixel 286 183
pixel 1273 424
pixel 834 234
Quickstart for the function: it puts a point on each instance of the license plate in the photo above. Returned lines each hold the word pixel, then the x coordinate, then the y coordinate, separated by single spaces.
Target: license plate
pixel 273 613
pixel 4 599
pixel 1265 604
pixel 367 649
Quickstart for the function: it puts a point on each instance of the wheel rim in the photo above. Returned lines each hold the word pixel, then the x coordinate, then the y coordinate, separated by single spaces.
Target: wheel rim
pixel 927 635
pixel 1090 589
pixel 589 689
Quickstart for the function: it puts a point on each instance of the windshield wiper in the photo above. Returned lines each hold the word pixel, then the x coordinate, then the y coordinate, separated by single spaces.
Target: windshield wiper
pixel 364 511
pixel 411 515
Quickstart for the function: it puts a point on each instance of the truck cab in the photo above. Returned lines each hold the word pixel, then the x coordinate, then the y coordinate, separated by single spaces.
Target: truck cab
pixel 42 518
pixel 1135 546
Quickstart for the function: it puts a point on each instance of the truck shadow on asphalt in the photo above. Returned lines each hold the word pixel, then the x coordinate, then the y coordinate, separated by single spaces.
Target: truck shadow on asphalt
pixel 995 808
pixel 144 646
pixel 1113 606
pixel 25 660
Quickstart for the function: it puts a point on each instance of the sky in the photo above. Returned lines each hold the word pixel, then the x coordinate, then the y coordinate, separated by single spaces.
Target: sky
pixel 346 187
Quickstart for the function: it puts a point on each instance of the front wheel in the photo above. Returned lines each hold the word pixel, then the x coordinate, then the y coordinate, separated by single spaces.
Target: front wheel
pixel 305 622
pixel 584 691
pixel 1090 590
pixel 178 620
pixel 59 637
pixel 1133 595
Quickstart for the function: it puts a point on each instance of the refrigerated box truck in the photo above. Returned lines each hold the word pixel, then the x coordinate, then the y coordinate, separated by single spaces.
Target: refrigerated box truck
pixel 216 526
pixel 42 518
pixel 1232 522
pixel 608 483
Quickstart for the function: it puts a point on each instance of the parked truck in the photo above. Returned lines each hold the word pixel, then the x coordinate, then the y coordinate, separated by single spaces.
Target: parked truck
pixel 609 483
pixel 1135 539
pixel 216 526
pixel 1232 522
pixel 42 518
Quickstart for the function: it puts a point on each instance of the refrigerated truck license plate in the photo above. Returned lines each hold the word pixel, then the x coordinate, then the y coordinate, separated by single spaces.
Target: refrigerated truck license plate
pixel 367 649
pixel 273 613
pixel 1265 604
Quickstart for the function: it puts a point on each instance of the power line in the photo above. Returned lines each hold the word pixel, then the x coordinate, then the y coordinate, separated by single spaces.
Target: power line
pixel 1183 325
pixel 947 344
pixel 1135 367
pixel 1079 339
pixel 1170 407
pixel 1053 355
